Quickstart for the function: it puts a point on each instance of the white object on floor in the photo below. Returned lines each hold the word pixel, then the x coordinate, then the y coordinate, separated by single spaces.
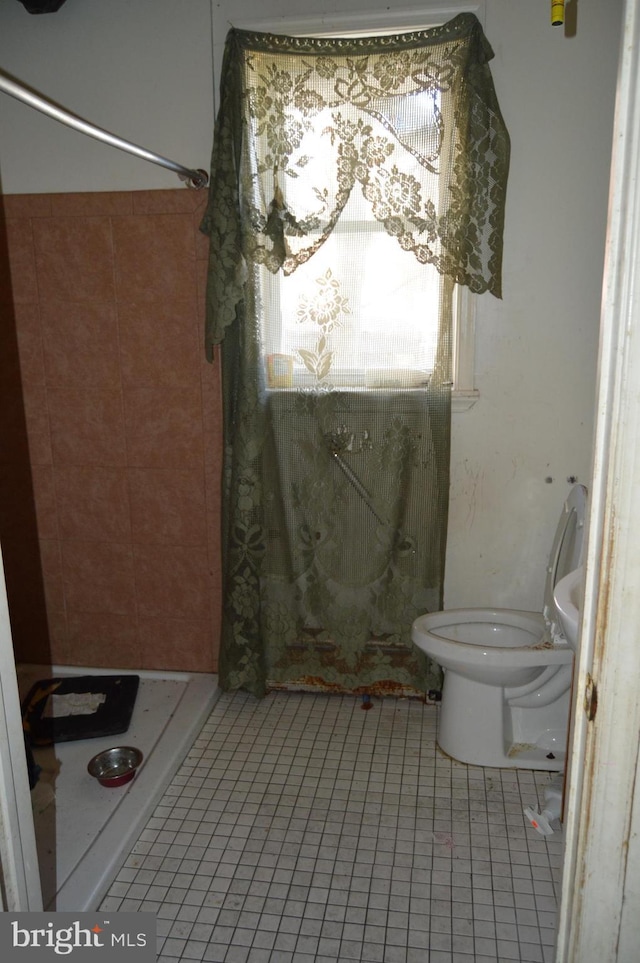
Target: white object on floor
pixel 73 704
pixel 552 808
pixel 84 830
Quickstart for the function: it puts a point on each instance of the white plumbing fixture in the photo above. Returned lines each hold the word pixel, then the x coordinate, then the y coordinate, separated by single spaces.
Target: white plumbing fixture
pixel 507 673
pixel 568 598
pixel 552 808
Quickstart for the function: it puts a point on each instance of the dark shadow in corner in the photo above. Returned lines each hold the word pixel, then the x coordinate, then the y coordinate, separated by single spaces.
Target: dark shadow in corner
pixel 19 540
pixel 18 519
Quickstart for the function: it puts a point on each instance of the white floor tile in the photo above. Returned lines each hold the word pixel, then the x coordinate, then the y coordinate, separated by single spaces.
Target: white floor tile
pixel 301 829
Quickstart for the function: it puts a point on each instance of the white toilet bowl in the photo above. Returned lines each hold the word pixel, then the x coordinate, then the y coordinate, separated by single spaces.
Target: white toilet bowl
pixel 507 673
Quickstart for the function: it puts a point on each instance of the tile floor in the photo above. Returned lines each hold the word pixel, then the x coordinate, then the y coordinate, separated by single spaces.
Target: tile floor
pixel 302 829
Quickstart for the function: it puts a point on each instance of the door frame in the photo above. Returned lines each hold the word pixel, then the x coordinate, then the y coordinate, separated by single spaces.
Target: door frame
pixel 20 889
pixel 601 875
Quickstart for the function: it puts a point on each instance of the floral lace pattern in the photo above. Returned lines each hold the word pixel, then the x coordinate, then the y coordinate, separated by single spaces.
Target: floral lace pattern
pixel 335 499
pixel 344 94
pixel 325 309
pixel 365 96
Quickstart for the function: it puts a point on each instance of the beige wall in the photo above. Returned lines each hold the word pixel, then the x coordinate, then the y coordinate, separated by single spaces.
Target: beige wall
pixel 140 69
pixel 144 70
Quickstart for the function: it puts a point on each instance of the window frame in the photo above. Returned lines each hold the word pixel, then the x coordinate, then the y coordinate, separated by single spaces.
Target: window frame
pixel 387 21
pixel 274 345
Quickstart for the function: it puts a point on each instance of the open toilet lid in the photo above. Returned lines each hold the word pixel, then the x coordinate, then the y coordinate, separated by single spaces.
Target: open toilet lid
pixel 568 544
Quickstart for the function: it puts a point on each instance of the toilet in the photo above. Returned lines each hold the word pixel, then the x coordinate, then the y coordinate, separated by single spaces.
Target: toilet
pixel 507 673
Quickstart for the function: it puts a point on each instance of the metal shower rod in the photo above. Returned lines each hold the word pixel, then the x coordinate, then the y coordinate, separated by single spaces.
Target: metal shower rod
pixel 195 178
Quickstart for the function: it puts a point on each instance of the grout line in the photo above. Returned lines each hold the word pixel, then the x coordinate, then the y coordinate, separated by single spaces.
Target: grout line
pixel 300 831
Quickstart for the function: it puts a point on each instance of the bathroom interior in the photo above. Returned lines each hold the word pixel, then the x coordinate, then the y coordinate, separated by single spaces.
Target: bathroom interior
pixel 112 427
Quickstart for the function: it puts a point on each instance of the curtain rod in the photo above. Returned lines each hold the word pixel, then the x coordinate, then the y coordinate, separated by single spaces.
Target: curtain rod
pixel 195 178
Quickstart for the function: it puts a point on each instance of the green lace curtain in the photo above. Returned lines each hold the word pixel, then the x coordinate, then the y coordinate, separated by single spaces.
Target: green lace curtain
pixel 335 486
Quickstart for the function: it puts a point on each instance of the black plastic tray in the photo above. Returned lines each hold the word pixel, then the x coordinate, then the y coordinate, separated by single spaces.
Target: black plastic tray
pixel 110 718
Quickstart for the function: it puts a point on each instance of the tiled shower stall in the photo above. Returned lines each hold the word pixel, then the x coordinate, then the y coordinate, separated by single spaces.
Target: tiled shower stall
pixel 110 431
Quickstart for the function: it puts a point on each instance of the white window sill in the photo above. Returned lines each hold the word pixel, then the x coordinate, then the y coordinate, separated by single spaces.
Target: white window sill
pixel 463 400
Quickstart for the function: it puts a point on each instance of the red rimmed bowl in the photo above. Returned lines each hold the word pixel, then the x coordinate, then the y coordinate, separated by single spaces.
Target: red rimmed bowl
pixel 115 767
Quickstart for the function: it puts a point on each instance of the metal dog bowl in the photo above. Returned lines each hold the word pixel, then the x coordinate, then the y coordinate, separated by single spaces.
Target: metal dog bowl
pixel 115 767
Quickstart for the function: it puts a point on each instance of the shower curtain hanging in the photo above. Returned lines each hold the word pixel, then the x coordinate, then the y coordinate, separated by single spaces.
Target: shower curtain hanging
pixel 195 178
pixel 335 487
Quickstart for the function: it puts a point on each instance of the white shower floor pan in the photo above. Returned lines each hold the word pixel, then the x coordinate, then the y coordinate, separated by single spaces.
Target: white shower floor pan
pixel 83 830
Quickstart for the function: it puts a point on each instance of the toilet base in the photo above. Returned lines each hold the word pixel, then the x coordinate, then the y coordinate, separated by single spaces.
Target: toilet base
pixel 475 726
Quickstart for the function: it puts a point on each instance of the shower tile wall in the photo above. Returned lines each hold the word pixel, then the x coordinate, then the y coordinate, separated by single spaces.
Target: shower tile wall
pixel 110 432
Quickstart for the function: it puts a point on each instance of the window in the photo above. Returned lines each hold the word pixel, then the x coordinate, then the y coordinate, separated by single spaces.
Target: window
pixel 393 344
pixel 375 326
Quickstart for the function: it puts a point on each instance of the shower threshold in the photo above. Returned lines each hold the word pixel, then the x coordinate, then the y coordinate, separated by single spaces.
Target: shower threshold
pixel 84 830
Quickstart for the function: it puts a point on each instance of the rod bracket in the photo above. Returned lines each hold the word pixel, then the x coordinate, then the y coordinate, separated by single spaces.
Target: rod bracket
pixel 196 180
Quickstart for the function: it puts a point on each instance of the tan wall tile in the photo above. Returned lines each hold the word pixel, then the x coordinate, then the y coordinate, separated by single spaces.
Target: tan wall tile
pixel 74 258
pixel 106 404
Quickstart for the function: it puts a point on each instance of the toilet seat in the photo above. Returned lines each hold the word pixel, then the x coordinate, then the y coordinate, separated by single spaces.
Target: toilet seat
pixel 536 636
pixel 458 640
